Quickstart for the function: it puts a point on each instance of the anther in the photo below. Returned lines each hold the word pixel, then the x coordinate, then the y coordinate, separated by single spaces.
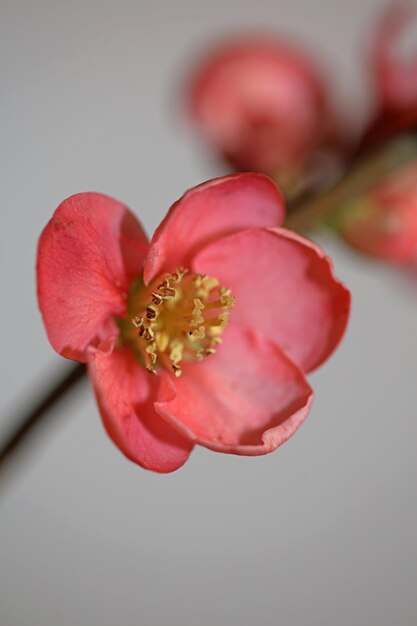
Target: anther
pixel 177 370
pixel 150 313
pixel 166 290
pixel 157 298
pixel 199 333
pixel 148 334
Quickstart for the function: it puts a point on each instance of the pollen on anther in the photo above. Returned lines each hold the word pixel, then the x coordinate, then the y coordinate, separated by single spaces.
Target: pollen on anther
pixel 157 298
pixel 150 313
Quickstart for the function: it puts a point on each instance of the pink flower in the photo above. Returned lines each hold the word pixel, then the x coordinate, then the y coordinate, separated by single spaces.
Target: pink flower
pixel 202 336
pixel 262 104
pixel 383 223
pixel 395 77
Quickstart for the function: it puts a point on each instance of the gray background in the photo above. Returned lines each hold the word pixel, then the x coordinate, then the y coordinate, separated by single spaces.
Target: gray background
pixel 322 532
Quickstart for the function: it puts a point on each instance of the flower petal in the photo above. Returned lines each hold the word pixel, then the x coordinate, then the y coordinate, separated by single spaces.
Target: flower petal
pixel 125 394
pixel 209 211
pixel 284 288
pixel 88 253
pixel 247 399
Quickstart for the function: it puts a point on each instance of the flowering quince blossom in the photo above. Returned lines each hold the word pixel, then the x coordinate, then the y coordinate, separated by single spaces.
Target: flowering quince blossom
pixel 383 223
pixel 395 77
pixel 202 336
pixel 262 103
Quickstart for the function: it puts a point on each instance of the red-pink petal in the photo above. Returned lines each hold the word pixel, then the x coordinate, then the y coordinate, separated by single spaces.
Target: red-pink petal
pixel 88 254
pixel 208 212
pixel 284 288
pixel 248 398
pixel 125 394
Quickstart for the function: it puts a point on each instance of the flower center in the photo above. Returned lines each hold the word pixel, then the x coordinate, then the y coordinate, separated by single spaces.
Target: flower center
pixel 179 317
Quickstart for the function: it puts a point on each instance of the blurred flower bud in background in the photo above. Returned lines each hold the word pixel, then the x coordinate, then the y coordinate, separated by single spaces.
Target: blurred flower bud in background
pixel 263 105
pixel 395 76
pixel 383 222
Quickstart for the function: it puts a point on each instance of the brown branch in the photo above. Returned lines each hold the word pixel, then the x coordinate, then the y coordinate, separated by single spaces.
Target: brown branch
pixel 360 177
pixel 24 427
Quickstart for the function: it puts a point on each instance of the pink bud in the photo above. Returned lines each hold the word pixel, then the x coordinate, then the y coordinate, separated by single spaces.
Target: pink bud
pixel 262 104
pixel 383 223
pixel 395 78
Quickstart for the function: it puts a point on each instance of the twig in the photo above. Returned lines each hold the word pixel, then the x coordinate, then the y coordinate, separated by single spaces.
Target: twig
pixel 25 426
pixel 361 176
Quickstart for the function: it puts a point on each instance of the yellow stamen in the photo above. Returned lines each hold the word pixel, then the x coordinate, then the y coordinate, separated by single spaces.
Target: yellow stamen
pixel 179 317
